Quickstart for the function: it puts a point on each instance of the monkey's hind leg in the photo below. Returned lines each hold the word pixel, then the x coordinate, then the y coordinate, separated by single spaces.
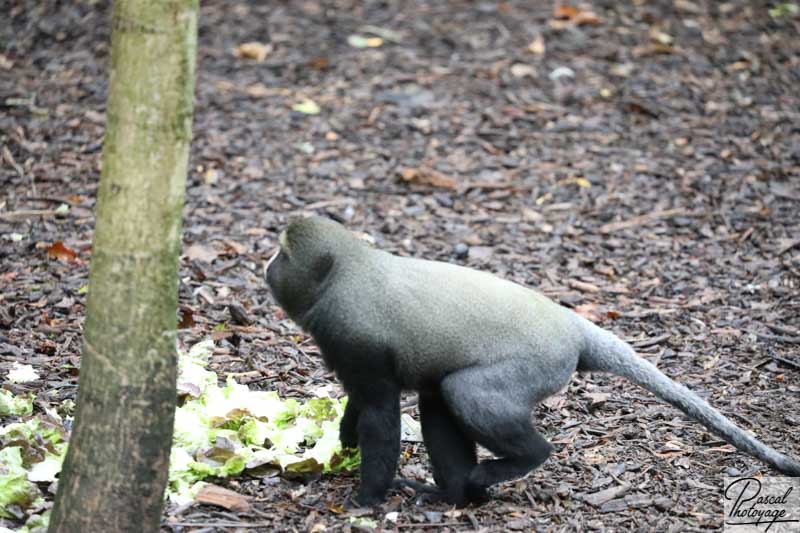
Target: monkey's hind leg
pixel 493 404
pixel 451 452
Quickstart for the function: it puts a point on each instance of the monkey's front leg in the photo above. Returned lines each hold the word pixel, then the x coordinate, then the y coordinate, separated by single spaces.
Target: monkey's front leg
pixel 379 440
pixel 348 436
pixel 348 427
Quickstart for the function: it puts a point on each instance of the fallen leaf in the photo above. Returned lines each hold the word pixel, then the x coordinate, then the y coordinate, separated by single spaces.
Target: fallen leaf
pixel 385 33
pixel 221 334
pixel 336 509
pixel 579 17
pixel 235 248
pixel 689 7
pixel 660 37
pixel 319 63
pixel 211 176
pixel 222 497
pixel 587 18
pixel 622 70
pixel 21 373
pixel 359 41
pixel 253 50
pixel 580 182
pixel 597 398
pixel 583 286
pixel 711 362
pixel 537 45
pixel 520 70
pixel 200 252
pixel 589 311
pixel 561 72
pixel 363 522
pixel 305 147
pixel 784 9
pixel 562 11
pixel 186 317
pixel 307 107
pixel 410 429
pixel 428 176
pixel 57 250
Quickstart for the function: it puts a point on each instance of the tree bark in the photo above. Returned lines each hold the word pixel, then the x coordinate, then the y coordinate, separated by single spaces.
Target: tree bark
pixel 116 467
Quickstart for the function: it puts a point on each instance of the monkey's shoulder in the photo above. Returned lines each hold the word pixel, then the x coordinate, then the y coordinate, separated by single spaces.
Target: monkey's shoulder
pixel 348 327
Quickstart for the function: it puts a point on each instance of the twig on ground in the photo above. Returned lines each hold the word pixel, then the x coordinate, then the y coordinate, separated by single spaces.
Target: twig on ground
pixel 777 338
pixel 29 213
pixel 649 217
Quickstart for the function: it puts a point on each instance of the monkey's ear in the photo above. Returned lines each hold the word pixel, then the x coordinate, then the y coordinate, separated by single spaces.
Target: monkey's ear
pixel 322 266
pixel 283 240
pixel 273 256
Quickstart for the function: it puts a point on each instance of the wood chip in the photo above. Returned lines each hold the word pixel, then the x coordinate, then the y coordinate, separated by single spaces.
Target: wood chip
pixel 222 497
pixel 583 286
pixel 428 176
pixel 200 252
pixel 599 498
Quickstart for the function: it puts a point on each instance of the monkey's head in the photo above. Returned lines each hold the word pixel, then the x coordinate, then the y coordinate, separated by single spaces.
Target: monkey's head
pixel 310 250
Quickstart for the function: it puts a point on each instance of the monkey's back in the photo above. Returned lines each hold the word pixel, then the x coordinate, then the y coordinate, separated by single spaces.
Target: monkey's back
pixel 439 317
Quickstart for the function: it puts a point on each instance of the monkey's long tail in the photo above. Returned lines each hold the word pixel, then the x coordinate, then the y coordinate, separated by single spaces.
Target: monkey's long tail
pixel 608 353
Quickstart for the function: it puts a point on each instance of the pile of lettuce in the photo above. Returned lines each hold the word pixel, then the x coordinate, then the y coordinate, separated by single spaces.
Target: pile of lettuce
pixel 219 432
pixel 222 431
pixel 31 453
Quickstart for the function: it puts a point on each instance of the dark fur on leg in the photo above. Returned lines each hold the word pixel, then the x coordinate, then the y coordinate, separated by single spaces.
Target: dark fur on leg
pixel 451 452
pixel 379 442
pixel 348 427
pixel 492 404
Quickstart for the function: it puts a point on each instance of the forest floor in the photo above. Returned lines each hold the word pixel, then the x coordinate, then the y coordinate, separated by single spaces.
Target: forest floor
pixel 639 162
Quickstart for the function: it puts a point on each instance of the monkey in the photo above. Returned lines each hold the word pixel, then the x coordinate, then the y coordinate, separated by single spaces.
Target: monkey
pixel 480 351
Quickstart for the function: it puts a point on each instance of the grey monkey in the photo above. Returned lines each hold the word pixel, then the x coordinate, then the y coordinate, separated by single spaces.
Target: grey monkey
pixel 481 351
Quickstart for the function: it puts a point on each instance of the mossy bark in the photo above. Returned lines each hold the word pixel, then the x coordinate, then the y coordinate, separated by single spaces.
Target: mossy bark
pixel 115 471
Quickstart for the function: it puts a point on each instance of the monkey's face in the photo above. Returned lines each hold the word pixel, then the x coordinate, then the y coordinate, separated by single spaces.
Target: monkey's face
pixel 285 279
pixel 296 271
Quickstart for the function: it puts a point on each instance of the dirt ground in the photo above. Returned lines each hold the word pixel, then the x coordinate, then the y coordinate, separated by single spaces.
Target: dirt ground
pixel 638 161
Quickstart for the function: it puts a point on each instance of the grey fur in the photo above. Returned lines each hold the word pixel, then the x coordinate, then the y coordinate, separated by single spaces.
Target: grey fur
pixel 607 353
pixel 487 348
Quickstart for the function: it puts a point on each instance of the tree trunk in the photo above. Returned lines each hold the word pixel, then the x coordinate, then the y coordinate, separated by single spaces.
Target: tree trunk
pixel 115 470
